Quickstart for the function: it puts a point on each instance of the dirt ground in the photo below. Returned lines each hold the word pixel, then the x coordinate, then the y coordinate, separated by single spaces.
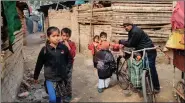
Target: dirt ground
pixel 85 79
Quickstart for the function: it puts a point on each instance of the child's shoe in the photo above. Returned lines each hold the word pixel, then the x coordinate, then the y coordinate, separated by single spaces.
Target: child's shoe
pixel 100 90
pixel 68 99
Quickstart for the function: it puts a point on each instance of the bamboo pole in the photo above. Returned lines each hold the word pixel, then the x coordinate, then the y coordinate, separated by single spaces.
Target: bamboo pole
pixel 143 2
pixel 79 40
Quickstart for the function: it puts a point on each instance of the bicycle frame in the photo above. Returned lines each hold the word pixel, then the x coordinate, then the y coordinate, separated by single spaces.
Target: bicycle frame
pixel 147 62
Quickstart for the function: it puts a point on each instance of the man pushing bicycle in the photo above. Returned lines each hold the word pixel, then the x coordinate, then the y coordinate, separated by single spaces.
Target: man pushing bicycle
pixel 138 39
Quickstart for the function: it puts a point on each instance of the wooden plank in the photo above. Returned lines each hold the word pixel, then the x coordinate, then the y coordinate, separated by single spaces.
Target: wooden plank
pixel 155 40
pixel 95 23
pixel 142 5
pixel 143 19
pixel 97 9
pixel 18 32
pixel 11 62
pixel 130 8
pixel 143 2
pixel 146 22
pixel 115 13
pixel 151 34
pixel 18 39
pixel 147 26
pixel 140 11
pixel 15 48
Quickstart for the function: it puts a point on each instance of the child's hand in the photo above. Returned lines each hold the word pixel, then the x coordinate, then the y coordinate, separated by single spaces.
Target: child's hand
pixel 121 46
pixel 67 44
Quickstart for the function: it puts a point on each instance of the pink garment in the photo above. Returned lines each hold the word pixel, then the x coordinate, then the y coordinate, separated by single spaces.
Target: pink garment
pixel 177 19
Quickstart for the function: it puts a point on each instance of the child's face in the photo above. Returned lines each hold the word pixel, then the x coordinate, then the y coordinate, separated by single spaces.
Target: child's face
pixel 54 37
pixel 103 38
pixel 117 41
pixel 65 36
pixel 96 39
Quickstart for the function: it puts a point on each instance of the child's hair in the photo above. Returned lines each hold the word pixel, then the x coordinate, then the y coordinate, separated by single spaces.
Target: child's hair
pixel 51 29
pixel 96 36
pixel 103 34
pixel 67 31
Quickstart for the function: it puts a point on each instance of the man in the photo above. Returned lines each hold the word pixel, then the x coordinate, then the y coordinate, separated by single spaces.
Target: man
pixel 138 39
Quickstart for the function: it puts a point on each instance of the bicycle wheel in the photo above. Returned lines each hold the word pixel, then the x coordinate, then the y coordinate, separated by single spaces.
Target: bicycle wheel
pixel 181 88
pixel 123 80
pixel 122 76
pixel 148 94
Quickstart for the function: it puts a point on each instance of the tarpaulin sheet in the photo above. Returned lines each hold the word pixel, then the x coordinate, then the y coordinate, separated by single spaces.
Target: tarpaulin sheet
pixel 177 19
pixel 12 18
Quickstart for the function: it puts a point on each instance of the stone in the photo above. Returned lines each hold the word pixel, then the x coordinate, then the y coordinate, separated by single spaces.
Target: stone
pixel 24 94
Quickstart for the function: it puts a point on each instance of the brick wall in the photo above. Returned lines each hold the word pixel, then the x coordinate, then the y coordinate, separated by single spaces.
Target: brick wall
pixel 65 18
pixel 85 36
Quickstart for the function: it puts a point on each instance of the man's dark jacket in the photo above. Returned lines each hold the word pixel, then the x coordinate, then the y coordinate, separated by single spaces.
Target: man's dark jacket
pixel 138 39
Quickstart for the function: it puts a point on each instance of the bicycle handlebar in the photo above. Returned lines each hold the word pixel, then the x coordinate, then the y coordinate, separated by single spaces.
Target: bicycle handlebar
pixel 145 49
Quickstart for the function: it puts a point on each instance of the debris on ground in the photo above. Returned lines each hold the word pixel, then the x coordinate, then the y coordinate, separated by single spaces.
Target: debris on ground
pixel 24 94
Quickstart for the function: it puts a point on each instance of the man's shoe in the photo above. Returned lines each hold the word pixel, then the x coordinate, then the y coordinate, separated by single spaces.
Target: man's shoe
pixel 156 91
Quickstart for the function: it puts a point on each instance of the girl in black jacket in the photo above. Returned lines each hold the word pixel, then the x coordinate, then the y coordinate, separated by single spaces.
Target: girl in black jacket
pixel 57 62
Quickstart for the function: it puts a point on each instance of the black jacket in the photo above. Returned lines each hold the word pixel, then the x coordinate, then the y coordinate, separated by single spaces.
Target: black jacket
pixel 105 64
pixel 57 62
pixel 138 39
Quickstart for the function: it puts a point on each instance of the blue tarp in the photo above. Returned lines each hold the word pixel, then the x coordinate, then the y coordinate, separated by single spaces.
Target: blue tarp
pixel 78 2
pixel 29 24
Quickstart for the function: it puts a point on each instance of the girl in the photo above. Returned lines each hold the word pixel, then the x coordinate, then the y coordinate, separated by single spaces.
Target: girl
pixel 57 61
pixel 66 34
pixel 94 48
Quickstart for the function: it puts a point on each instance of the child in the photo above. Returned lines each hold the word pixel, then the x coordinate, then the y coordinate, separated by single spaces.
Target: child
pixel 94 48
pixel 103 37
pixel 66 34
pixel 105 66
pixel 57 62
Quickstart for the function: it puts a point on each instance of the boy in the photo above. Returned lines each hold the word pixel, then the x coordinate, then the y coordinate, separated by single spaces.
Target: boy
pixel 66 34
pixel 105 66
pixel 103 37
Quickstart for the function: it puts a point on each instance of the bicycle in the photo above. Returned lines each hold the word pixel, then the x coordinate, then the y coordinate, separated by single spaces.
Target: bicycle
pixel 122 70
pixel 146 79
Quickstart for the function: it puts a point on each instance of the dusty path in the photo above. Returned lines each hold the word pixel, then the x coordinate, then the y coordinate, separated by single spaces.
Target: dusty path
pixel 85 80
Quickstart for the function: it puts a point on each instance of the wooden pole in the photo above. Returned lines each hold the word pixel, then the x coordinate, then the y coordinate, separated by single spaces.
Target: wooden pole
pixel 92 2
pixel 57 5
pixel 79 48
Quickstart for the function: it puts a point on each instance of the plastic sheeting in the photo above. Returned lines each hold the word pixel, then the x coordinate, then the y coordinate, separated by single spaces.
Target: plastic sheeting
pixel 175 40
pixel 177 19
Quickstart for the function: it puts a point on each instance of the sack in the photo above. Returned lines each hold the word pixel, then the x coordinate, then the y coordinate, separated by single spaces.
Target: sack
pixel 176 40
pixel 135 70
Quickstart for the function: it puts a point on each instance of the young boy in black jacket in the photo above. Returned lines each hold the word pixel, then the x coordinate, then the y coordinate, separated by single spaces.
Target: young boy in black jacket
pixel 105 66
pixel 57 62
